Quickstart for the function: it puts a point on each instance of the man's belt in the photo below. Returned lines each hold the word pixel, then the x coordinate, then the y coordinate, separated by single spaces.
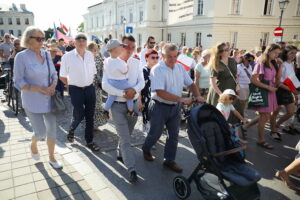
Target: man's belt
pixel 123 102
pixel 83 88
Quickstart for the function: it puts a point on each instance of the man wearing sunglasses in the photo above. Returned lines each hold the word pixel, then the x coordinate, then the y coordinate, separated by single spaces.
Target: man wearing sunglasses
pixel 78 70
pixel 5 50
pixel 149 45
pixel 17 48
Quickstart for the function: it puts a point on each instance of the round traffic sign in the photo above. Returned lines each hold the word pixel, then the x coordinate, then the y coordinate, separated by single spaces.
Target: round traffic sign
pixel 278 31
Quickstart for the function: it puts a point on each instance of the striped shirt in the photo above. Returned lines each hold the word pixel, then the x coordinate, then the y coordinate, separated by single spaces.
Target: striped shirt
pixel 169 79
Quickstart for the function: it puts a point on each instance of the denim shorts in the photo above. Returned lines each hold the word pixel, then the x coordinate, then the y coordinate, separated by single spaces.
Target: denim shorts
pixel 43 125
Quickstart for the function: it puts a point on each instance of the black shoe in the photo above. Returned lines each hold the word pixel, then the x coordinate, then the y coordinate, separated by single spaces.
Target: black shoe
pixel 133 177
pixel 119 158
pixel 105 114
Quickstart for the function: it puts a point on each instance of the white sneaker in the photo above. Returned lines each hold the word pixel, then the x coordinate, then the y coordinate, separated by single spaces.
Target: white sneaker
pixel 55 165
pixel 34 156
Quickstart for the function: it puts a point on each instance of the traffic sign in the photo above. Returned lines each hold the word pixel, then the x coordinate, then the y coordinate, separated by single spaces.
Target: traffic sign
pixel 129 29
pixel 277 39
pixel 278 31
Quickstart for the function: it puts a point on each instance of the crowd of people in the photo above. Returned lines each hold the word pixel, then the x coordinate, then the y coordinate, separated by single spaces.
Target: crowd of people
pixel 149 81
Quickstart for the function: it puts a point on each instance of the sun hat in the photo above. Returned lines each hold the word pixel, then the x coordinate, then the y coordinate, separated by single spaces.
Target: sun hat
pixel 229 91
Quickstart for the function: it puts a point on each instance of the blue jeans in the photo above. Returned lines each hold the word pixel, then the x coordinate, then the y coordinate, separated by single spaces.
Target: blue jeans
pixel 83 101
pixel 121 85
pixel 160 115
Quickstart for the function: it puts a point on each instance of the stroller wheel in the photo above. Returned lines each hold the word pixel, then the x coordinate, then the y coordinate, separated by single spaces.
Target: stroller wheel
pixel 181 187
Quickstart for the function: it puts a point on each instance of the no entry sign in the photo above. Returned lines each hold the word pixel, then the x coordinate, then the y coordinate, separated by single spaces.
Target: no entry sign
pixel 278 31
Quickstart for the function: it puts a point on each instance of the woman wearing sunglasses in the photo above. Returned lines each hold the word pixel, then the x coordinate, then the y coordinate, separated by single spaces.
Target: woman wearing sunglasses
pixel 31 77
pixel 145 97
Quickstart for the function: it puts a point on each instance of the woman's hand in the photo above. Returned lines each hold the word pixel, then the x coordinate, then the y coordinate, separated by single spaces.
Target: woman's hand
pixel 271 89
pixel 47 90
pixel 140 106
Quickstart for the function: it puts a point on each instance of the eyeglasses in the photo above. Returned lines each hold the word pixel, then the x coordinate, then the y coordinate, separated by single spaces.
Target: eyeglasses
pixel 154 57
pixel 80 37
pixel 39 39
pixel 17 44
pixel 152 42
pixel 7 37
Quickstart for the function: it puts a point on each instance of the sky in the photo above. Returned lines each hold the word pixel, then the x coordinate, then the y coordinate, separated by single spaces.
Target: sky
pixel 68 12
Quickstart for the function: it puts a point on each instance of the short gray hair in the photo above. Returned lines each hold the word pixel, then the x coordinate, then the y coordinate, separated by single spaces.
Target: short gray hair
pixel 29 31
pixel 169 47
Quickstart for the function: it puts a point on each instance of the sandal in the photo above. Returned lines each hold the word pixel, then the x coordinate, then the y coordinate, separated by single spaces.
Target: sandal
pixel 265 145
pixel 277 135
pixel 93 146
pixel 70 136
pixel 282 175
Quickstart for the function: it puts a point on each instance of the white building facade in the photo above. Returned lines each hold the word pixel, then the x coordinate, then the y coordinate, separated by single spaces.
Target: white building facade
pixel 246 24
pixel 14 19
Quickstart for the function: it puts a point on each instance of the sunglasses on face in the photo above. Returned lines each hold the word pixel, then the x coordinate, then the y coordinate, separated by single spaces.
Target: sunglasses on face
pixel 154 57
pixel 80 37
pixel 152 42
pixel 231 98
pixel 38 39
pixel 17 44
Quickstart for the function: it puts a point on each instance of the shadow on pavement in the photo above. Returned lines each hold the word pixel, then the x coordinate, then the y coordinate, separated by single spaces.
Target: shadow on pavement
pixel 4 137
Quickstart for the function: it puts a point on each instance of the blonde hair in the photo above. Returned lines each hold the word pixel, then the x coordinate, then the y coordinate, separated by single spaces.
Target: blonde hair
pixel 92 46
pixel 224 98
pixel 29 31
pixel 215 56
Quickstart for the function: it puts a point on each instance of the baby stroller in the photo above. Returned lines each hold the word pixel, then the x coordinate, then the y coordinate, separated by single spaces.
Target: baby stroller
pixel 209 135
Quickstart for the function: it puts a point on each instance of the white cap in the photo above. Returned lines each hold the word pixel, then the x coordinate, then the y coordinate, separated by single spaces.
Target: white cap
pixel 229 91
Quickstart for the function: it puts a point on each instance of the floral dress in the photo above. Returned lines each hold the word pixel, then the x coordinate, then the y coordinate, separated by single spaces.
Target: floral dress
pixel 146 95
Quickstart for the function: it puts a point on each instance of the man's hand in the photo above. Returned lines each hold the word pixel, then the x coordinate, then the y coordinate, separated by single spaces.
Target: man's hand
pixel 186 101
pixel 129 93
pixel 200 99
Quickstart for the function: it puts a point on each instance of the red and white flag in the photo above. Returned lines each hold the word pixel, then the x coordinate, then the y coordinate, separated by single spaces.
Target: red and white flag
pixel 292 82
pixel 64 27
pixel 185 61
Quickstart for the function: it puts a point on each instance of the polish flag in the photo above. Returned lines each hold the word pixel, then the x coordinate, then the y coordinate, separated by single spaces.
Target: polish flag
pixel 185 61
pixel 292 82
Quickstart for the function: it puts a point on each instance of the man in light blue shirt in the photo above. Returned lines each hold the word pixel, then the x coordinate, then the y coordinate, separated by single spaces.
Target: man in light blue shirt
pixel 167 81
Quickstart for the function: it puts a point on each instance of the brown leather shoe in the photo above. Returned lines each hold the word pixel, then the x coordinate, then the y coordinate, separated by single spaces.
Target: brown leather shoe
pixel 173 166
pixel 148 156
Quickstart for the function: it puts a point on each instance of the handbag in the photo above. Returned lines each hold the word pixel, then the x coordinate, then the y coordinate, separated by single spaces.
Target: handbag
pixel 237 87
pixel 258 97
pixel 57 103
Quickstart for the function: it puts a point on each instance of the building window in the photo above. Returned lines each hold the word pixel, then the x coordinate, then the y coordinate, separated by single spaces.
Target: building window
pixel 268 7
pixel 198 39
pixel 1 33
pixel 10 20
pixel 233 40
pixel 295 38
pixel 140 40
pixel 19 33
pixel 264 39
pixel 110 14
pixel 200 7
pixel 298 8
pixel 130 16
pixel 1 21
pixel 18 21
pixel 102 20
pixel 183 39
pixel 235 7
pixel 141 18
pixel 169 37
pixel 26 21
pixel 11 32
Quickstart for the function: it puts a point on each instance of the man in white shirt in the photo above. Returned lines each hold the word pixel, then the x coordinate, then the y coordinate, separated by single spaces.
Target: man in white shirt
pixel 149 45
pixel 5 50
pixel 124 124
pixel 77 71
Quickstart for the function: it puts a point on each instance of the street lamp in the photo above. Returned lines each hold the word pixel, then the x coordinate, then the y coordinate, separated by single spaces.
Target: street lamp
pixel 282 5
pixel 124 23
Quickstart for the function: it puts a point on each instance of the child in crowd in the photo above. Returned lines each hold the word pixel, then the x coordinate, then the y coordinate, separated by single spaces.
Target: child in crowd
pixel 116 72
pixel 225 107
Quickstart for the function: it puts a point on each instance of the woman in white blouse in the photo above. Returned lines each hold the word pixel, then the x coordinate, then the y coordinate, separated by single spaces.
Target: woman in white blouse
pixel 285 96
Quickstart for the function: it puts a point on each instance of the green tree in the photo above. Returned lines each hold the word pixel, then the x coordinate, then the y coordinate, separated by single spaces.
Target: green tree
pixel 49 33
pixel 80 28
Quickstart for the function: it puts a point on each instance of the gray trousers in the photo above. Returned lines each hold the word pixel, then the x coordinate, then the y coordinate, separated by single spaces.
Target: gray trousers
pixel 160 115
pixel 124 126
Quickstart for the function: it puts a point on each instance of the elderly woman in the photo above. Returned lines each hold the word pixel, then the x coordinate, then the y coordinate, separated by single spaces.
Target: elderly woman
pixel 31 77
pixel 202 74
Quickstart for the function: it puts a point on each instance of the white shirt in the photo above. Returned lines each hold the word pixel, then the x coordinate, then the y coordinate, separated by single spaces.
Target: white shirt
pixel 244 80
pixel 79 71
pixel 287 70
pixel 143 61
pixel 135 78
pixel 115 68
